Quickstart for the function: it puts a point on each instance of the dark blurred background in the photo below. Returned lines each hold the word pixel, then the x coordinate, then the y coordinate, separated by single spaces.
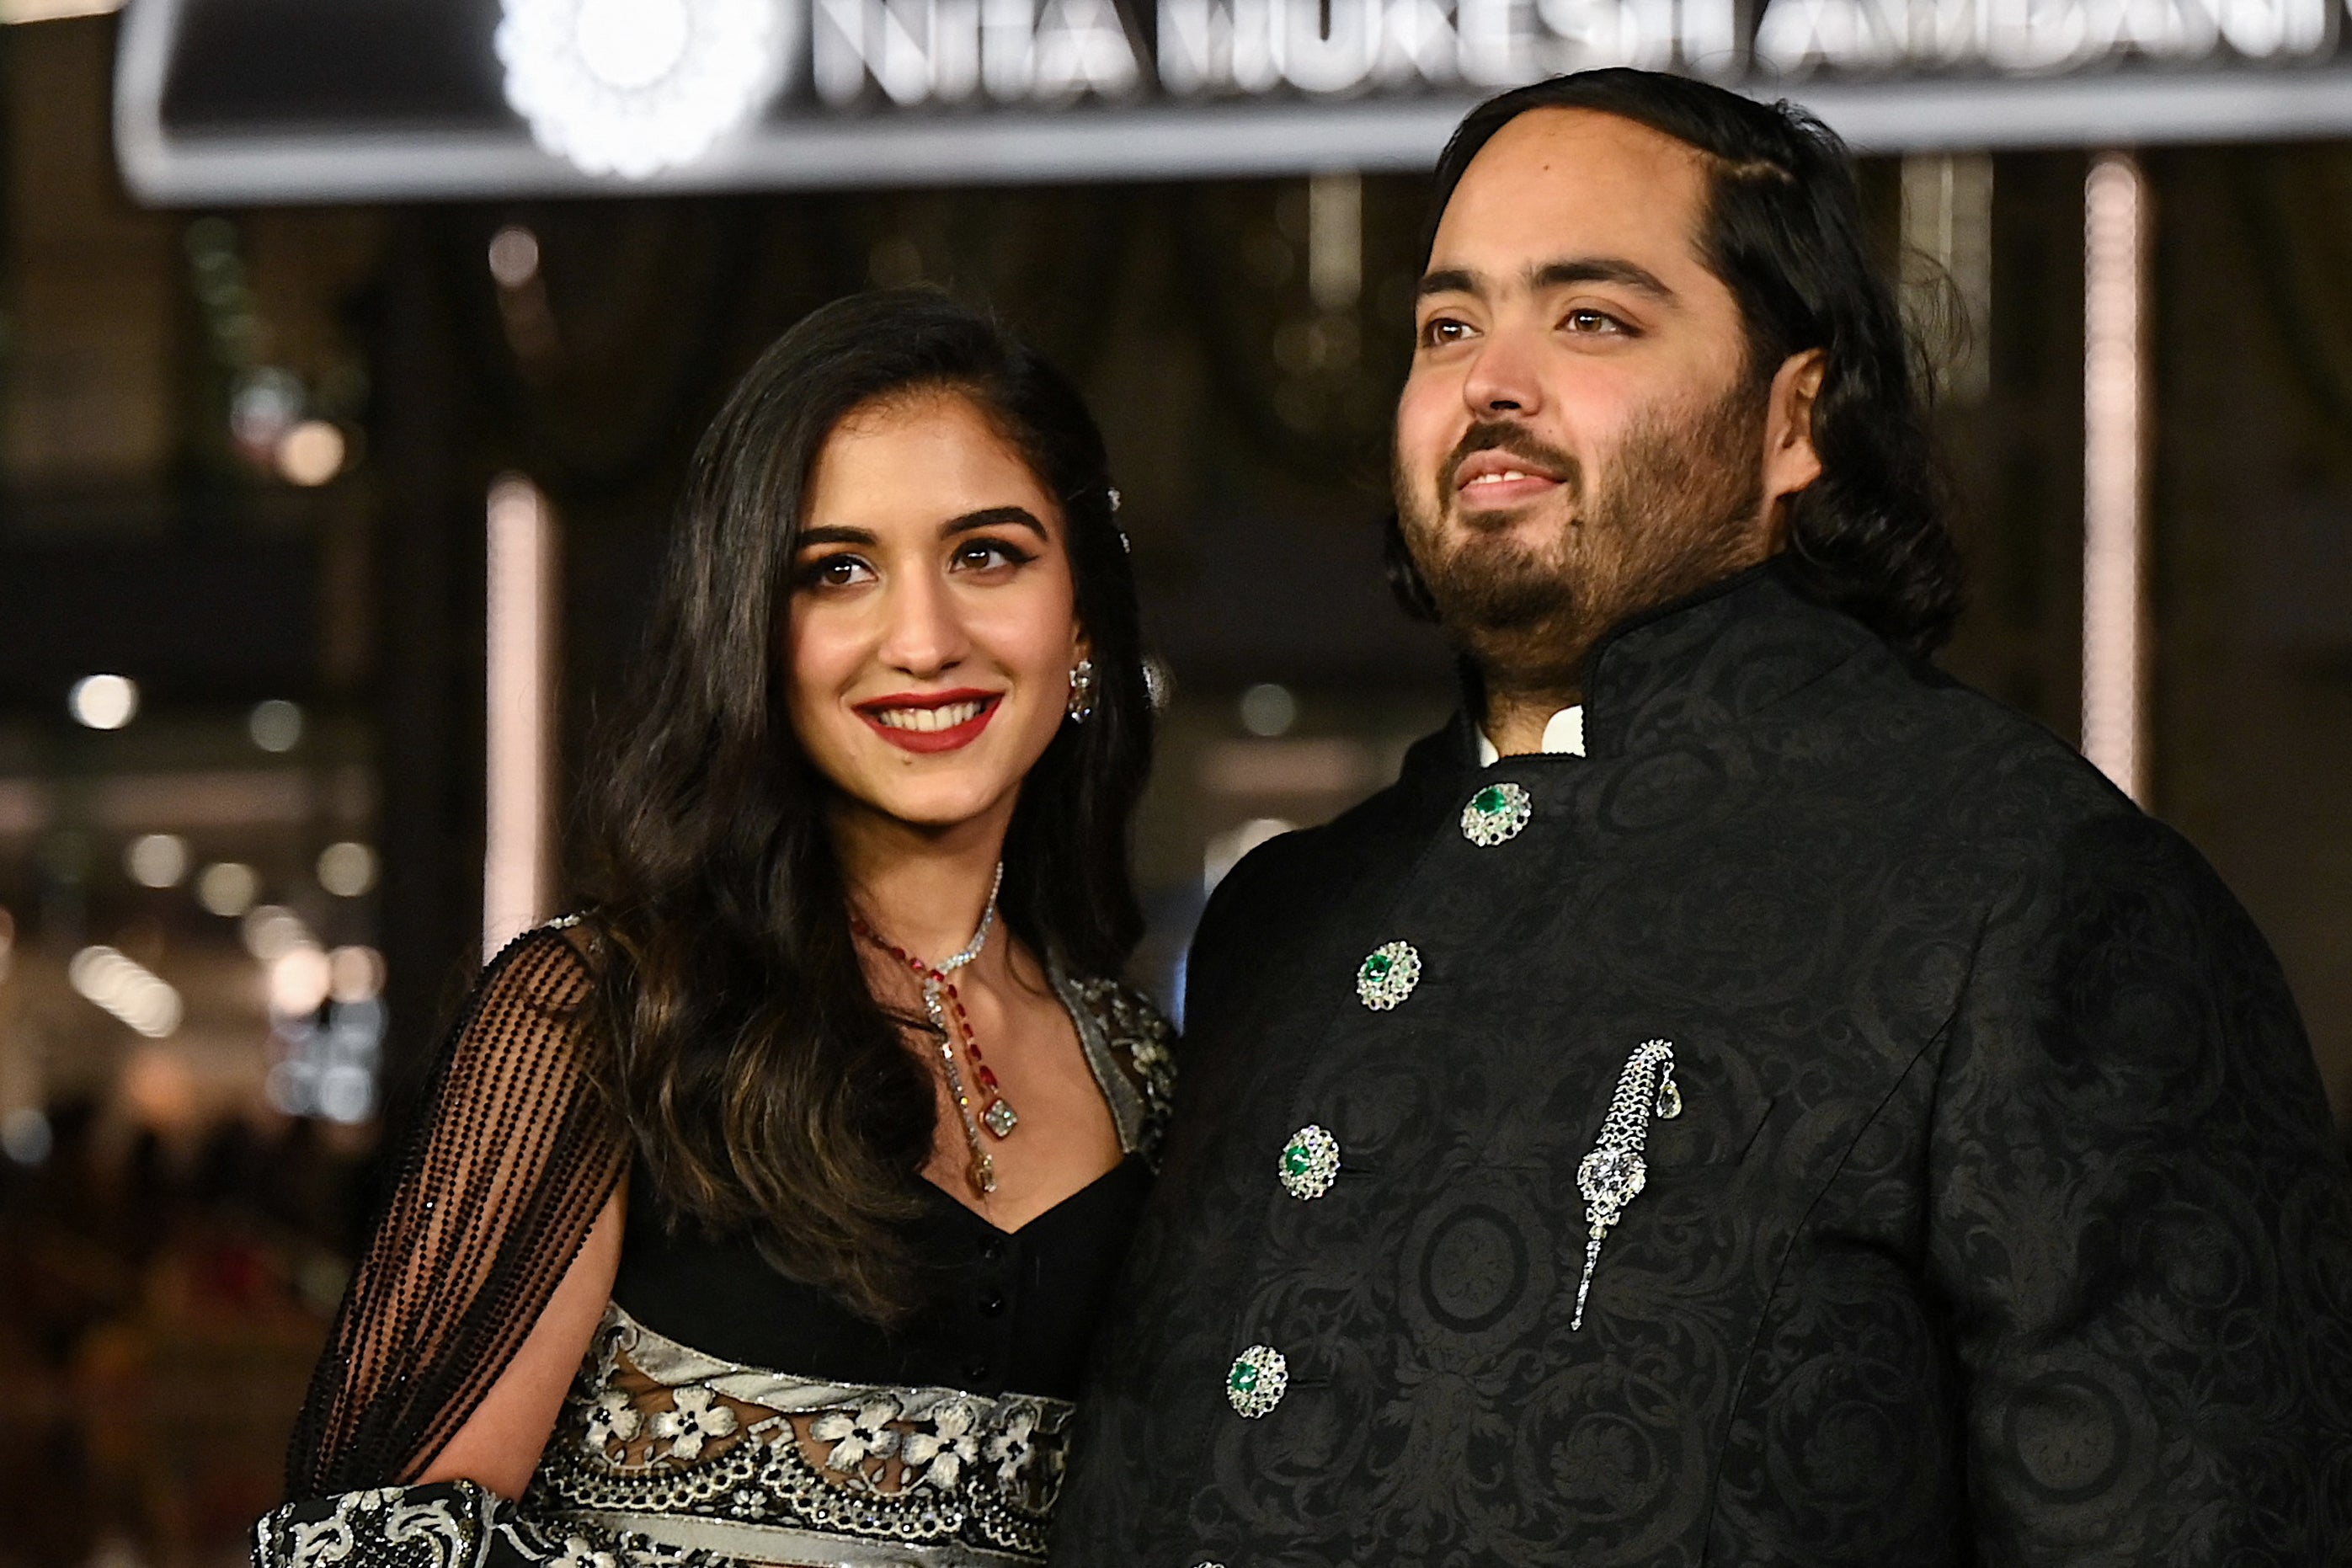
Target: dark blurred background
pixel 248 454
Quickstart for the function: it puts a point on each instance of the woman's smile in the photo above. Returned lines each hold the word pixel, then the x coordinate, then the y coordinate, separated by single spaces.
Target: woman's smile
pixel 931 720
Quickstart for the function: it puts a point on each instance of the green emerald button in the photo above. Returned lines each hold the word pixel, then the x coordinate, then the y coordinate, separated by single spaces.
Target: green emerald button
pixel 1257 1384
pixel 1310 1162
pixel 1497 813
pixel 1387 975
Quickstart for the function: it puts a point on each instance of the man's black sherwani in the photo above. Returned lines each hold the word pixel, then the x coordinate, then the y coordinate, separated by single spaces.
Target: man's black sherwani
pixel 2004 1222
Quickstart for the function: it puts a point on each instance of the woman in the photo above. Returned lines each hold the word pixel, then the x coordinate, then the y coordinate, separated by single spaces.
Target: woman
pixel 761 1213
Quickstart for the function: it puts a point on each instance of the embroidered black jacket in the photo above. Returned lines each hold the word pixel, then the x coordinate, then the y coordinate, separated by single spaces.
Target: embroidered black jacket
pixel 2003 1221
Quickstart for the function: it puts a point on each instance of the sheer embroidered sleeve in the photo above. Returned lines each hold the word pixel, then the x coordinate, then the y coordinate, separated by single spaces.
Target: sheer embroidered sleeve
pixel 514 1153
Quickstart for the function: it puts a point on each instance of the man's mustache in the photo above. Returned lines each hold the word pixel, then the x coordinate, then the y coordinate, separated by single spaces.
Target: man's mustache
pixel 1512 440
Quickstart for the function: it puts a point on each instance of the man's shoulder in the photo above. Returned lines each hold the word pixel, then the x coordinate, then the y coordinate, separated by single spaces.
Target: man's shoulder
pixel 1999 792
pixel 1971 762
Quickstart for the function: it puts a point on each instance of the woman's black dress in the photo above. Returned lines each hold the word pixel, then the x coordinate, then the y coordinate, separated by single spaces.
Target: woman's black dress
pixel 728 1414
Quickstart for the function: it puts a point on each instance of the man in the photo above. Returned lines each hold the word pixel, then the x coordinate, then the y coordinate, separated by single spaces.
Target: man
pixel 1739 1097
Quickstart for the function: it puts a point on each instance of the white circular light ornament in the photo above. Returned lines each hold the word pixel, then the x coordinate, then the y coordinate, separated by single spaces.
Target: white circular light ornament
pixel 633 87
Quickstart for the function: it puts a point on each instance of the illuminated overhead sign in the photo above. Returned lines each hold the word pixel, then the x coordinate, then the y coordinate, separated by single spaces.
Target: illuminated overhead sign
pixel 258 100
pixel 633 87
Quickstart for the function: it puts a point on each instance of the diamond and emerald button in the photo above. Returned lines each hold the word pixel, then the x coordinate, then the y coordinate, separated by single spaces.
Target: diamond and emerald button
pixel 1496 814
pixel 1387 975
pixel 1256 1384
pixel 1310 1162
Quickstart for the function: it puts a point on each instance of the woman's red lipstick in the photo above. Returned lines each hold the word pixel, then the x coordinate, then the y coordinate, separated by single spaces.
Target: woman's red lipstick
pixel 925 707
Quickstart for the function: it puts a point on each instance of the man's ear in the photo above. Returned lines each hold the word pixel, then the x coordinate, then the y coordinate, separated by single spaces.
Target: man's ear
pixel 1791 461
pixel 1405 581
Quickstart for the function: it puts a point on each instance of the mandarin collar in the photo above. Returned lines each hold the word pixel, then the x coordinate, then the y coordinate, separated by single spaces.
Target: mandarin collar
pixel 1697 664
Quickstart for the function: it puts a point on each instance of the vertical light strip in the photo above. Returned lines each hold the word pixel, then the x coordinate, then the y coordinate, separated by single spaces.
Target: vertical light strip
pixel 1947 266
pixel 2114 445
pixel 518 859
pixel 1335 240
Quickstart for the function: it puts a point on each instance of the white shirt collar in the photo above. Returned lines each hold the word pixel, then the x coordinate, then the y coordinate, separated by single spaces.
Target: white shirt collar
pixel 1563 735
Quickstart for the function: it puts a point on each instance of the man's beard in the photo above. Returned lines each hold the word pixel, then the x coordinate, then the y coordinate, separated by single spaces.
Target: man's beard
pixel 1677 510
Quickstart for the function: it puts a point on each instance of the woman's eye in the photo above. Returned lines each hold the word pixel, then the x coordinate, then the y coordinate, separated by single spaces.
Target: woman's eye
pixel 836 572
pixel 987 554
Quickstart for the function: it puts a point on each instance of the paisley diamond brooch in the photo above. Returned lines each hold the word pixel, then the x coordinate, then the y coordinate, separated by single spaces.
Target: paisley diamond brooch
pixel 1613 1175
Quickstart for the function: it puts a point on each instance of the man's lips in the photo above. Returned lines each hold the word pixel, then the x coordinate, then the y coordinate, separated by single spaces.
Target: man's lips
pixel 931 720
pixel 1498 478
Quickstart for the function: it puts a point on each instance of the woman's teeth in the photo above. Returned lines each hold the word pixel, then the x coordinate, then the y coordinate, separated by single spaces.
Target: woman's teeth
pixel 946 718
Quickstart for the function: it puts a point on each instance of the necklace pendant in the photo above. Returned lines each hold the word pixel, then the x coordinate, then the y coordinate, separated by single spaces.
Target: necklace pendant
pixel 1000 1118
pixel 982 1174
pixel 1670 1096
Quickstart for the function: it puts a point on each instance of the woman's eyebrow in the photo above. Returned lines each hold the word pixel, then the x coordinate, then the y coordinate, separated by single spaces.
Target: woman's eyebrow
pixel 994 517
pixel 832 536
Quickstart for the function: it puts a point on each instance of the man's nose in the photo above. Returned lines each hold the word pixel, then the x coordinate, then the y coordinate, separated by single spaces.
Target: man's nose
pixel 923 636
pixel 1502 378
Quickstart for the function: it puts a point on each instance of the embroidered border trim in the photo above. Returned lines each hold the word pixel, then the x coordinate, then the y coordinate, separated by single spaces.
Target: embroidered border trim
pixel 756 1453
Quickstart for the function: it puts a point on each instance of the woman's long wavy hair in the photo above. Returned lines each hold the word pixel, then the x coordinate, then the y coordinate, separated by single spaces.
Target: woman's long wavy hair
pixel 769 1093
pixel 1783 230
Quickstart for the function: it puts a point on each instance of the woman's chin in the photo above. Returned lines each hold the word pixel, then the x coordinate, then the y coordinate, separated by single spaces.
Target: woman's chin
pixel 941 806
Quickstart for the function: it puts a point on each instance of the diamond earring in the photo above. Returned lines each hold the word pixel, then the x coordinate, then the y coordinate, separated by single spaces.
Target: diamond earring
pixel 1081 706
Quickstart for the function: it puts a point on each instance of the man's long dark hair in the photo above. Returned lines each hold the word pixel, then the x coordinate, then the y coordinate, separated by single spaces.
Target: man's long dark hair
pixel 1783 230
pixel 769 1093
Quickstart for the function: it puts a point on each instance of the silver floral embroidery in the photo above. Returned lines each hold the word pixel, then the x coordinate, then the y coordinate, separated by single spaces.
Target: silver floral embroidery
pixel 945 1447
pixel 971 1474
pixel 695 1417
pixel 858 1435
pixel 446 1524
pixel 580 1553
pixel 1134 1029
pixel 1011 1448
pixel 611 1421
pixel 366 1526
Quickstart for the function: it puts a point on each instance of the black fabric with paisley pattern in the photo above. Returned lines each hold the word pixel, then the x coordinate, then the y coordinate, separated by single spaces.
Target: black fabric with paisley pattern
pixel 2002 1222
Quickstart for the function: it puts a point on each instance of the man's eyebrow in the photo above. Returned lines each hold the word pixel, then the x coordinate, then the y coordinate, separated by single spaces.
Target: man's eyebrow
pixel 994 517
pixel 1559 274
pixel 1448 280
pixel 1599 270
